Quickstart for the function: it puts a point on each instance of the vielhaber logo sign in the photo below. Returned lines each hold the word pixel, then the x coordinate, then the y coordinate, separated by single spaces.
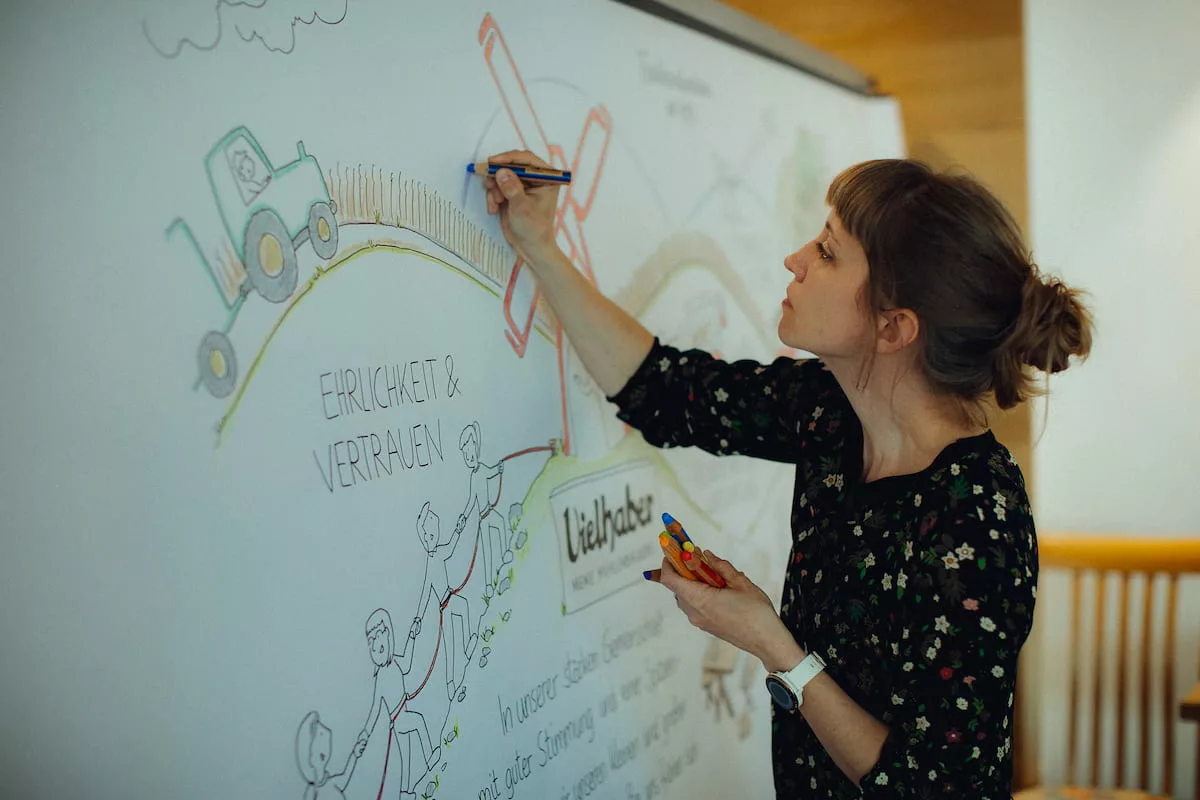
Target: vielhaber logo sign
pixel 605 524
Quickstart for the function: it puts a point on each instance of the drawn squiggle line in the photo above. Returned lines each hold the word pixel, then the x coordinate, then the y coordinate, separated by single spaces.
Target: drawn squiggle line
pixel 204 48
pixel 254 34
pixel 185 40
pixel 315 17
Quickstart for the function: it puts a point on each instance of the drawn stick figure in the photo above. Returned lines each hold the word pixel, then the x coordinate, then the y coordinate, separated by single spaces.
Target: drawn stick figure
pixel 460 647
pixel 314 744
pixel 390 697
pixel 481 511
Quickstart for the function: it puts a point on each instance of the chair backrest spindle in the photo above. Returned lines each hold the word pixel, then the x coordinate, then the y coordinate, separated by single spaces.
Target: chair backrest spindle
pixel 1122 653
pixel 1098 657
pixel 1169 701
pixel 1144 718
pixel 1076 651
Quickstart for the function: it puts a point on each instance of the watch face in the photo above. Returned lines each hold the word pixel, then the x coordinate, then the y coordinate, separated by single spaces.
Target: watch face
pixel 781 693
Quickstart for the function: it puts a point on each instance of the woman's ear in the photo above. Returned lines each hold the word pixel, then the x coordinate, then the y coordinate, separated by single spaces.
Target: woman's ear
pixel 897 329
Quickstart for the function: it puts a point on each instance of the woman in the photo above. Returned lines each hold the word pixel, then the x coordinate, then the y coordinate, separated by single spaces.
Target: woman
pixel 912 578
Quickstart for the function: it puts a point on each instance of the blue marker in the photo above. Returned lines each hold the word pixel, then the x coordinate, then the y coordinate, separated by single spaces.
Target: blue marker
pixel 527 174
pixel 675 528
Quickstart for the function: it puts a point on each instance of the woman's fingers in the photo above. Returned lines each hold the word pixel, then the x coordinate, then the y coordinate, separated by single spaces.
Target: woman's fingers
pixel 667 575
pixel 671 578
pixel 522 157
pixel 725 569
pixel 495 198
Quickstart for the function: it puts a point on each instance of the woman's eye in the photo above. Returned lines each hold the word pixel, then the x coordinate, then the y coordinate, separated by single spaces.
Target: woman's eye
pixel 823 251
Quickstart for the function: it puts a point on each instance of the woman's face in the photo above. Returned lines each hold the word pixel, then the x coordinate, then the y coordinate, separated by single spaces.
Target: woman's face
pixel 822 312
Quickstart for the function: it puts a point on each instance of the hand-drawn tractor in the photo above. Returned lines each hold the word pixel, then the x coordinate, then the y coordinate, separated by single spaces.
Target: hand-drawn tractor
pixel 268 213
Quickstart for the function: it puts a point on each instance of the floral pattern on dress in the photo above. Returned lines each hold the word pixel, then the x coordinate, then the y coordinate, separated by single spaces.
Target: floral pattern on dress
pixel 917 590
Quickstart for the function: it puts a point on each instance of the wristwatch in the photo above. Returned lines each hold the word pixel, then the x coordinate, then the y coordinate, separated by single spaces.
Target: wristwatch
pixel 787 688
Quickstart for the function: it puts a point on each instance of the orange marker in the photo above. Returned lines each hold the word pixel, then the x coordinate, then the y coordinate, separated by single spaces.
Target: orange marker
pixel 692 561
pixel 671 550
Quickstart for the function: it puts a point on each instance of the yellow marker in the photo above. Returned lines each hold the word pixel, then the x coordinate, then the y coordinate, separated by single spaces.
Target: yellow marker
pixel 690 547
pixel 671 550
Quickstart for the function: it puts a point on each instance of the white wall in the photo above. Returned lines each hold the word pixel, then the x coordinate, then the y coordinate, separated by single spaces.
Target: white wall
pixel 1113 104
pixel 1113 100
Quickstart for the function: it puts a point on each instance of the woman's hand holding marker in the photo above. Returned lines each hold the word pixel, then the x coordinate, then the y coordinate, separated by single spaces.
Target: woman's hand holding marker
pixel 720 600
pixel 673 554
pixel 696 561
pixel 688 561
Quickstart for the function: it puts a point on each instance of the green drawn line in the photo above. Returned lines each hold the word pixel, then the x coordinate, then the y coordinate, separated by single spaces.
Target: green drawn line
pixel 227 417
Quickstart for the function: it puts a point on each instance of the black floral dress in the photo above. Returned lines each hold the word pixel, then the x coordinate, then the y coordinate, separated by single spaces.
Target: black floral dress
pixel 917 590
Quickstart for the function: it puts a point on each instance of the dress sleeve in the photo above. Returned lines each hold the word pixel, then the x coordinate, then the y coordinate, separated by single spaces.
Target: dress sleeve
pixel 967 609
pixel 692 399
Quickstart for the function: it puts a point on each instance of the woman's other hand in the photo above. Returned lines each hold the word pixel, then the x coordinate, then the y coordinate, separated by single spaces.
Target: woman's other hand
pixel 741 613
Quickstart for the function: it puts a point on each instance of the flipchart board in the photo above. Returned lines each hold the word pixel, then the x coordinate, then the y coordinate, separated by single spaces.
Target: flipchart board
pixel 304 492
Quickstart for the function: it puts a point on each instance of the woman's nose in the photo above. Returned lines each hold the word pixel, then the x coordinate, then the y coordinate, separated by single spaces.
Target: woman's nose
pixel 796 265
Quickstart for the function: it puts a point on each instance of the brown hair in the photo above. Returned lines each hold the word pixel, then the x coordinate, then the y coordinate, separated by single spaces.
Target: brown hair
pixel 943 246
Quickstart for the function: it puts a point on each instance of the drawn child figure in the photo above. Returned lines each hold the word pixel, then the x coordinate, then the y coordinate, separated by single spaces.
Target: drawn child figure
pixel 314 744
pixel 461 640
pixel 390 697
pixel 492 526
pixel 246 169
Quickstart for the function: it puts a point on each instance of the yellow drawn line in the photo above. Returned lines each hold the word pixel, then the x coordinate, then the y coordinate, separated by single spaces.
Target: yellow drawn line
pixel 679 253
pixel 370 246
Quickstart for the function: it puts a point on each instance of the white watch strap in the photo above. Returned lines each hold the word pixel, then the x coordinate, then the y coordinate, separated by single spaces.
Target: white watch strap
pixel 799 675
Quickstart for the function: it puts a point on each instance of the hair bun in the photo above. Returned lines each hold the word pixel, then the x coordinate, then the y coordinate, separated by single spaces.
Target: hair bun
pixel 1052 326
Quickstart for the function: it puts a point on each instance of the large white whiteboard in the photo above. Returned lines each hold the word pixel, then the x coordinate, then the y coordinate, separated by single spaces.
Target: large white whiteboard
pixel 222 448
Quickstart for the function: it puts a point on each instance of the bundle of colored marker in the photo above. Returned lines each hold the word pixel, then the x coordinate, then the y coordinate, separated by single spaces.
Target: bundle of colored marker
pixel 688 560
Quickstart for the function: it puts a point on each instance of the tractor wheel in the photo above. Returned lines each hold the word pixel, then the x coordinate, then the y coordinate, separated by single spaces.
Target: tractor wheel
pixel 322 230
pixel 218 364
pixel 269 256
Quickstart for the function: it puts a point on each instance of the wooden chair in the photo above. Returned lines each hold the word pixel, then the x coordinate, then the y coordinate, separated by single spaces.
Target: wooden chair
pixel 1098 562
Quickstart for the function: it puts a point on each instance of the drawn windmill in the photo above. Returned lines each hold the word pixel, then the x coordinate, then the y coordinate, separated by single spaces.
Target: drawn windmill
pixel 575 201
